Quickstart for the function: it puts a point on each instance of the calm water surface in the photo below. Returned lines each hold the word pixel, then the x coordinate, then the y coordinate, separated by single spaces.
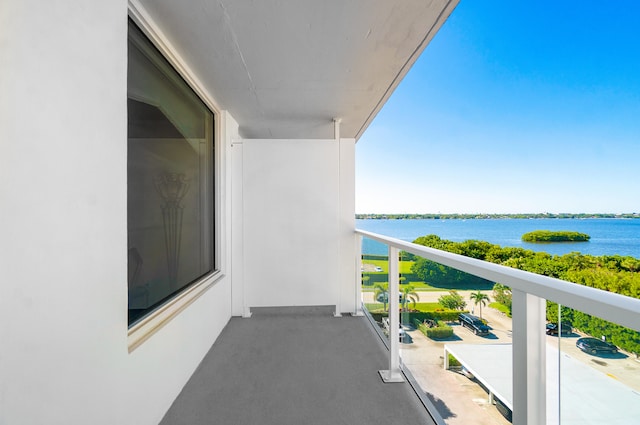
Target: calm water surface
pixel 608 236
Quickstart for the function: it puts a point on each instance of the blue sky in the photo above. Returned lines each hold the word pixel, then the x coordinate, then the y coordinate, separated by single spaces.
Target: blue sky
pixel 513 107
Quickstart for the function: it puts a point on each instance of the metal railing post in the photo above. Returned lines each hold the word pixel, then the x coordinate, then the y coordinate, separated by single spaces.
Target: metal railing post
pixel 358 307
pixel 393 374
pixel 529 359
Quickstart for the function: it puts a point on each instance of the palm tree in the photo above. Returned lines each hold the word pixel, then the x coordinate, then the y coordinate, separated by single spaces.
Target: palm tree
pixel 381 294
pixel 497 287
pixel 409 294
pixel 479 298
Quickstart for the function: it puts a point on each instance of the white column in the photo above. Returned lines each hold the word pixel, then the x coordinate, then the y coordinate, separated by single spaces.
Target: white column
pixel 529 359
pixel 393 374
pixel 238 292
pixel 358 276
pixel 446 358
pixel 348 299
pixel 336 136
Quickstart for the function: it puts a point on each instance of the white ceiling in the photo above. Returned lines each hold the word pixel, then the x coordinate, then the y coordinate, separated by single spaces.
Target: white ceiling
pixel 286 68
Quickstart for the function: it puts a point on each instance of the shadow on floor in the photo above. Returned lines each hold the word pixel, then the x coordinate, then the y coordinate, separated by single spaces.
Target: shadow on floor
pixel 441 407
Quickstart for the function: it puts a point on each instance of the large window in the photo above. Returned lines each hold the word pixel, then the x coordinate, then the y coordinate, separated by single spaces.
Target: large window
pixel 170 180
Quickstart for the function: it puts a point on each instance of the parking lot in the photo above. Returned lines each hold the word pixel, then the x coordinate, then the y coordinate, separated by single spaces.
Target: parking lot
pixel 458 399
pixel 461 400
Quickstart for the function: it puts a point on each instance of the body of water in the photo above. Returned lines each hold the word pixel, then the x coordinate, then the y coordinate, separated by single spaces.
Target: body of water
pixel 608 236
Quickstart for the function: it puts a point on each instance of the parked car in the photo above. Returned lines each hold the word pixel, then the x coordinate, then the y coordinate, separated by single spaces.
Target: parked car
pixel 474 323
pixel 383 297
pixel 565 329
pixel 594 345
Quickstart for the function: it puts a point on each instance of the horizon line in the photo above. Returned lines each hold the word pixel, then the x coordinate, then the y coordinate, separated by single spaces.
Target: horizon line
pixel 503 214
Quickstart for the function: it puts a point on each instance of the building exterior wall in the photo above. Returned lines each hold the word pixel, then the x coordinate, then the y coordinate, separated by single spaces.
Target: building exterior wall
pixel 64 355
pixel 64 346
pixel 297 232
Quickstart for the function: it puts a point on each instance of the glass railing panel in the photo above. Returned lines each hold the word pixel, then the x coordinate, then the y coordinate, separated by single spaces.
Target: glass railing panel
pixel 457 341
pixel 593 370
pixel 375 282
pixel 466 374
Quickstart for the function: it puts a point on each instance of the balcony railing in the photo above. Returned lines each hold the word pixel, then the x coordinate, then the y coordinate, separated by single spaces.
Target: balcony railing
pixel 523 366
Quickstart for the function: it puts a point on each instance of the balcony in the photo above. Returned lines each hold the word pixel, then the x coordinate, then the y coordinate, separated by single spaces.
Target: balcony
pixel 302 365
pixel 295 365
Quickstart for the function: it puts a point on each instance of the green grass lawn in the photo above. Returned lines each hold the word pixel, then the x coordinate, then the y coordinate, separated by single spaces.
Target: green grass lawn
pixel 405 269
pixel 405 266
pixel 500 307
pixel 418 286
pixel 424 307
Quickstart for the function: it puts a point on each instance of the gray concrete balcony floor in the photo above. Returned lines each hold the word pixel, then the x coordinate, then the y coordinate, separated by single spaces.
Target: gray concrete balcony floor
pixel 295 365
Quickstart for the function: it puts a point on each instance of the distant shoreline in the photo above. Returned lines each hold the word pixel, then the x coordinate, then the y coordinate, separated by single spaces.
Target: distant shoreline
pixel 491 216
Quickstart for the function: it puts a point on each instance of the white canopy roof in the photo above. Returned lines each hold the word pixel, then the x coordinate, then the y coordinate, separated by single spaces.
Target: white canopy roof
pixel 587 395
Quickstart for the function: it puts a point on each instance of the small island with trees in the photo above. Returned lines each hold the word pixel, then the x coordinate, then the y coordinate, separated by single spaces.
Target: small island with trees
pixel 555 236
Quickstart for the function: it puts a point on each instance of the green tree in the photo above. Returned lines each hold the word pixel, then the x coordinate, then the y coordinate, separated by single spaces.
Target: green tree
pixel 554 236
pixel 406 256
pixel 614 273
pixel 441 276
pixel 479 298
pixel 452 301
pixel 502 295
pixel 409 294
pixel 475 249
pixel 381 291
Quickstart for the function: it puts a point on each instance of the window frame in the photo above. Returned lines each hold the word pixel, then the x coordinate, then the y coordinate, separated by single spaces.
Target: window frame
pixel 143 329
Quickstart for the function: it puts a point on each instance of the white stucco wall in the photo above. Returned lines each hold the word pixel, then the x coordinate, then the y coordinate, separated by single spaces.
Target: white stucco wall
pixel 64 355
pixel 297 202
pixel 63 226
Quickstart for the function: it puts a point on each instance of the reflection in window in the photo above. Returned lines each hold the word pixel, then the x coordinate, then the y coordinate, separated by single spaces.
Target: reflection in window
pixel 170 180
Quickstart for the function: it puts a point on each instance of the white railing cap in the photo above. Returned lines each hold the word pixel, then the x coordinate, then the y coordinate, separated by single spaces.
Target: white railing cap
pixel 610 306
